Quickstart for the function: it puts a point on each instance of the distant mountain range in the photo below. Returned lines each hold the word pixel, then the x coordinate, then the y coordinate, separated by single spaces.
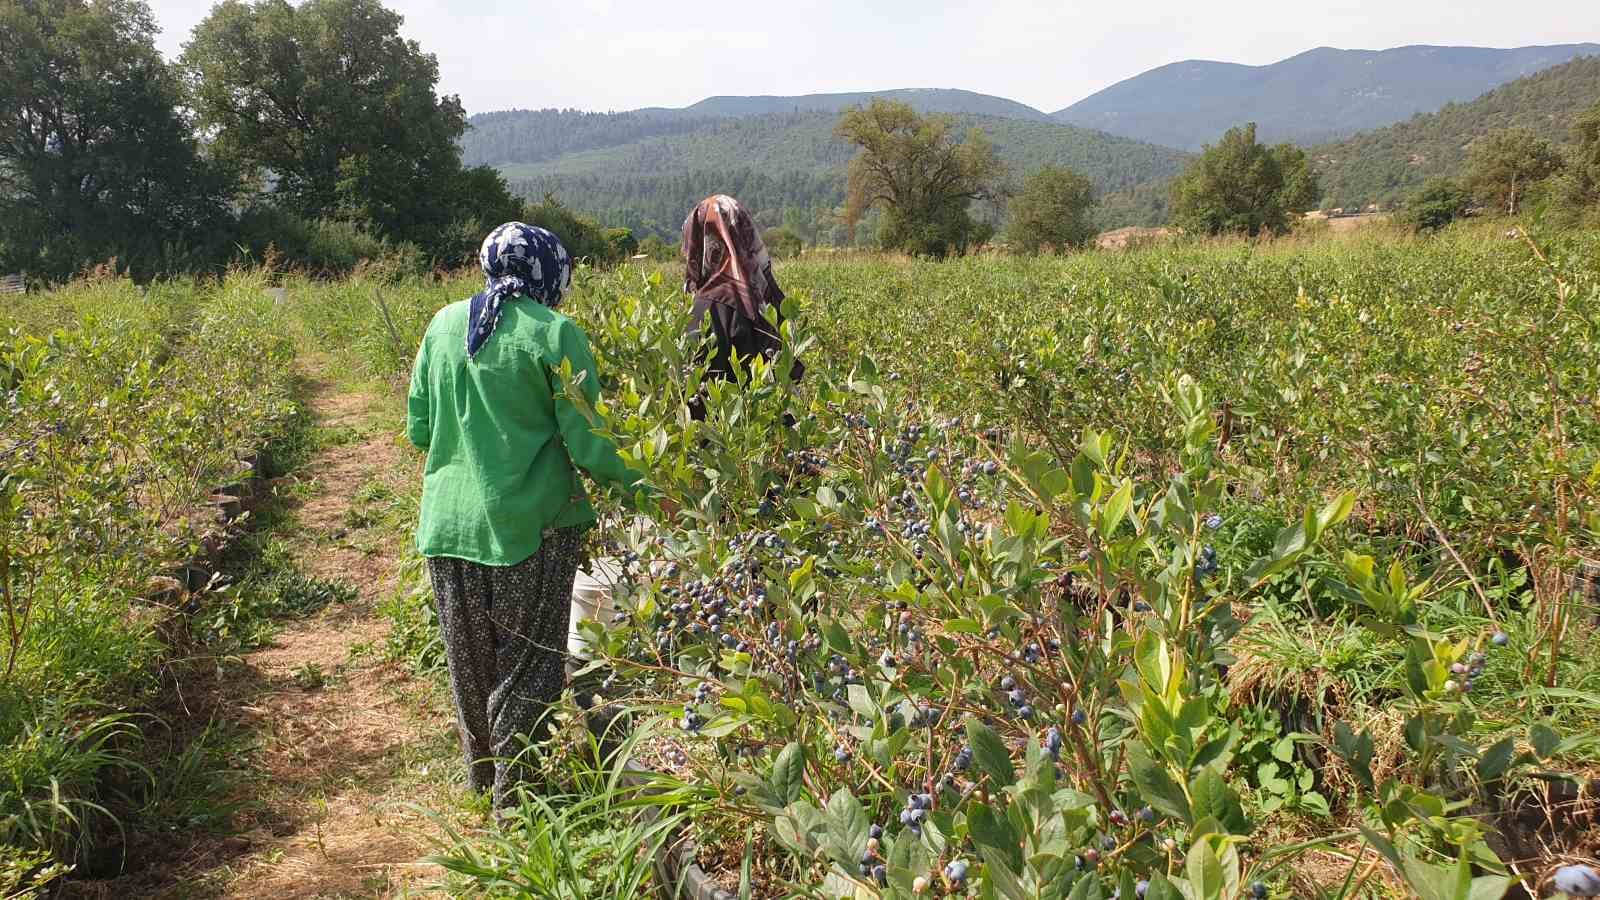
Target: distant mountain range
pixel 1386 164
pixel 1320 95
pixel 531 136
pixel 644 167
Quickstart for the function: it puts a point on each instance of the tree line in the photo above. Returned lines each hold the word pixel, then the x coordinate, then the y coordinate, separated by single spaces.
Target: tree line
pixel 532 136
pixel 314 134
pixel 310 133
pixel 934 184
pixel 1509 169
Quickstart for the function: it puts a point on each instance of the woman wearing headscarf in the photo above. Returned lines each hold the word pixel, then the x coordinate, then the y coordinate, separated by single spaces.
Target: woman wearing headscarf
pixel 729 273
pixel 503 511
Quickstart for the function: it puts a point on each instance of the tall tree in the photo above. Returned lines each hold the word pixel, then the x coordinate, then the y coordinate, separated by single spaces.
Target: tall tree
pixel 336 114
pixel 1241 186
pixel 920 174
pixel 1300 190
pixel 1580 184
pixel 1505 164
pixel 96 161
pixel 1051 211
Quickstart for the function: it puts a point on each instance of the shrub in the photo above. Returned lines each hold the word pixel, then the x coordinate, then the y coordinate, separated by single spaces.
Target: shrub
pixel 1440 202
pixel 782 243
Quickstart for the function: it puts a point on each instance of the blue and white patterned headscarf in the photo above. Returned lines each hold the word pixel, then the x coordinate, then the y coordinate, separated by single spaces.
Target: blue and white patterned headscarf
pixel 518 260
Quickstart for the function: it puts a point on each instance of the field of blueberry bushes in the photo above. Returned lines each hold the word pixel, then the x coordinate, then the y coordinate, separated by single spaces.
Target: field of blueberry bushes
pixel 121 411
pixel 1202 572
pixel 1205 571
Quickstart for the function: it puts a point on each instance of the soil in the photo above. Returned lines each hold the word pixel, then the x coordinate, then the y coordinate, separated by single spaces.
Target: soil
pixel 344 749
pixel 1131 237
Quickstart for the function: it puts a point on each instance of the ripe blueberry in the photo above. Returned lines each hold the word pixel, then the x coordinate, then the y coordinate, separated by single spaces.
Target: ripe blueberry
pixel 1577 881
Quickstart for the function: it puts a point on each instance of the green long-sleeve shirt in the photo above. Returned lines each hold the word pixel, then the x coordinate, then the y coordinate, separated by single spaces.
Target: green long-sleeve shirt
pixel 501 443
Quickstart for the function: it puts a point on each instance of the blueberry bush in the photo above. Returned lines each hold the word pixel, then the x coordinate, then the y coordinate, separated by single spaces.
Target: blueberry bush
pixel 994 615
pixel 120 411
pixel 1203 571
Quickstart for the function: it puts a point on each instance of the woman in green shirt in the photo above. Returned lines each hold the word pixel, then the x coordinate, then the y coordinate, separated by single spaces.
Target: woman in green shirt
pixel 503 511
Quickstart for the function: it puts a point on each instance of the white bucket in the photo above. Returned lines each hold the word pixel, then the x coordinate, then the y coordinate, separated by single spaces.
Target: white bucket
pixel 592 601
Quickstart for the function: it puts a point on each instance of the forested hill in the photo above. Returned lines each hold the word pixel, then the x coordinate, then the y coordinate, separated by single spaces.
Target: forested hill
pixel 1320 95
pixel 924 100
pixel 1386 164
pixel 529 136
pixel 643 169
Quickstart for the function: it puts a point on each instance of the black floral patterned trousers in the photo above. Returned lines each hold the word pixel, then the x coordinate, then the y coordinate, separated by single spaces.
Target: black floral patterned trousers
pixel 505 639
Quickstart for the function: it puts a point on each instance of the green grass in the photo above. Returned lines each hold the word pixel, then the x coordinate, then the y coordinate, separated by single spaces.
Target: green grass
pixel 580 836
pixel 127 409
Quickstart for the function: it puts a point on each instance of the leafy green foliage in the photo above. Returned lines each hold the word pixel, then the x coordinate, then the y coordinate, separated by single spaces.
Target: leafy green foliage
pixel 332 114
pixel 875 587
pixel 581 236
pixel 1012 477
pixel 1440 202
pixel 920 174
pixel 1051 211
pixel 123 410
pixel 585 837
pixel 97 163
pixel 1505 165
pixel 1580 184
pixel 782 243
pixel 1242 187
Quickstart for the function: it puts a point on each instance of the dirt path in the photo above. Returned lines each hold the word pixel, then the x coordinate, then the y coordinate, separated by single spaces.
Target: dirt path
pixel 344 744
pixel 336 755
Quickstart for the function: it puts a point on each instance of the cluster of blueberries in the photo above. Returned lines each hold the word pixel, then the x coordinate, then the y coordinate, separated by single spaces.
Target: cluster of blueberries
pixel 1466 672
pixel 902 454
pixel 712 600
pixel 967 492
pixel 972 468
pixel 916 812
pixel 1016 697
pixel 807 463
pixel 692 722
pixel 907 631
pixel 871 867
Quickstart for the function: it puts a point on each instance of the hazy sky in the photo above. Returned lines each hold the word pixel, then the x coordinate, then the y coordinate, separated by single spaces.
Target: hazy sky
pixel 624 54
